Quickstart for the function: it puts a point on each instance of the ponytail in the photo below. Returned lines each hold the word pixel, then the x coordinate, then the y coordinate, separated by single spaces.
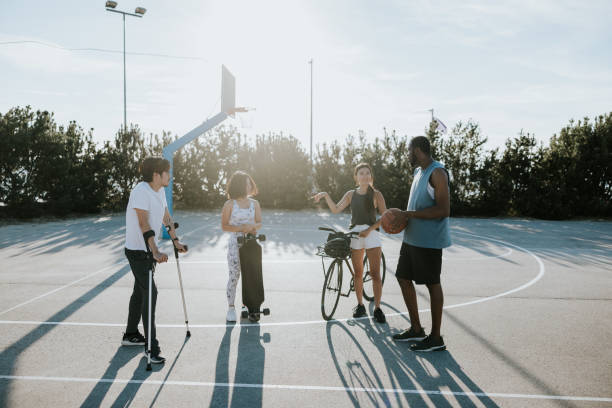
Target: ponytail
pixel 370 198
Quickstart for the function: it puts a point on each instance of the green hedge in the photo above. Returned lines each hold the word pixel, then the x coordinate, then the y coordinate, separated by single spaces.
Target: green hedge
pixel 49 169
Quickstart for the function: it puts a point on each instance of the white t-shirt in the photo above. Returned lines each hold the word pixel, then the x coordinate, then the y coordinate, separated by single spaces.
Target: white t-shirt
pixel 145 198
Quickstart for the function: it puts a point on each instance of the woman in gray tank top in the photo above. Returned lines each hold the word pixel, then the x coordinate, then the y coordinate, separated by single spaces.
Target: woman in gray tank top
pixel 364 201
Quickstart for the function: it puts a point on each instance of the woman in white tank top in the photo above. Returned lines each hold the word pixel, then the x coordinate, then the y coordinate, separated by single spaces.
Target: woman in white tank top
pixel 240 215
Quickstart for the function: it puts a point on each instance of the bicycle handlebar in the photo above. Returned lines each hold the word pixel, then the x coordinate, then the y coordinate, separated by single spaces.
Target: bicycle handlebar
pixel 348 234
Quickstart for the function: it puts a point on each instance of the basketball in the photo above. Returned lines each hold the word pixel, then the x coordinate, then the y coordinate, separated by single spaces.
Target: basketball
pixel 393 222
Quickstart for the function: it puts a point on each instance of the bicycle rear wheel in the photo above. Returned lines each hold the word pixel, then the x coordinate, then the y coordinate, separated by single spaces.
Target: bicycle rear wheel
pixel 331 289
pixel 368 288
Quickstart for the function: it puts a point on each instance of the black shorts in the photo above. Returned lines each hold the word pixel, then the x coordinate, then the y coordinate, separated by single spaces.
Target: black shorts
pixel 421 265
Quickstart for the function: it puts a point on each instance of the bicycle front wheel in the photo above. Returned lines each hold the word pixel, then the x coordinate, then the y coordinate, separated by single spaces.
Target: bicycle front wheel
pixel 368 288
pixel 331 289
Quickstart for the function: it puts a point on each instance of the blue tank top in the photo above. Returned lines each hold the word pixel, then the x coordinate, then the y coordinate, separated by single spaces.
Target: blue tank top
pixel 425 233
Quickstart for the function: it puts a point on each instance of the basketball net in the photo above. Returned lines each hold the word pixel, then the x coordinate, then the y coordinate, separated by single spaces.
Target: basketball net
pixel 244 117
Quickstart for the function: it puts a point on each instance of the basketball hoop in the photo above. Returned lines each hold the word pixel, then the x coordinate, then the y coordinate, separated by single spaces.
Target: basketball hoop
pixel 246 116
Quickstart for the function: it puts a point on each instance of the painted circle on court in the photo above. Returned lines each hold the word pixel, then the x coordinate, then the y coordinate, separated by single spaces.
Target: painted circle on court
pixel 541 272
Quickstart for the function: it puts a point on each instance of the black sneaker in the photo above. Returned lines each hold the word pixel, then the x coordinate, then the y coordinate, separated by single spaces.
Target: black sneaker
pixel 379 316
pixel 133 339
pixel 359 311
pixel 410 335
pixel 429 344
pixel 156 358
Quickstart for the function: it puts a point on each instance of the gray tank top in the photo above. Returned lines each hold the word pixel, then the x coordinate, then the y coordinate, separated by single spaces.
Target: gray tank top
pixel 362 208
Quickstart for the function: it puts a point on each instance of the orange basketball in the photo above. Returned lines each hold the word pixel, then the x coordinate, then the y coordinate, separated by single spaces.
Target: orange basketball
pixel 393 222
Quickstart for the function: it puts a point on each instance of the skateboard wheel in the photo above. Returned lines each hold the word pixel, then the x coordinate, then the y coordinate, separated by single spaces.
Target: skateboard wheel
pixel 244 314
pixel 254 317
pixel 262 237
pixel 266 311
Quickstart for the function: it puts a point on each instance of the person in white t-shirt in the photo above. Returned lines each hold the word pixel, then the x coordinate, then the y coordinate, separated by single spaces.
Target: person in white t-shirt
pixel 146 212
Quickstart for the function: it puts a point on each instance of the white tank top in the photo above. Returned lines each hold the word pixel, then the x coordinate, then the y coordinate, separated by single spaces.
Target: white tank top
pixel 242 215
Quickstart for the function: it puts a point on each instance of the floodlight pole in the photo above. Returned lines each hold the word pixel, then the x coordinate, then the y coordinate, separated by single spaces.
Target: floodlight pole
pixel 124 82
pixel 124 13
pixel 311 66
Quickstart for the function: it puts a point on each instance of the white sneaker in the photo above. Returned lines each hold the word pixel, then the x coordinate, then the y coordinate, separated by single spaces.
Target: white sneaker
pixel 231 315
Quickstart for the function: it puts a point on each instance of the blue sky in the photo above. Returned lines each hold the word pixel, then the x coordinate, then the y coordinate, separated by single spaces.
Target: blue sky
pixel 508 65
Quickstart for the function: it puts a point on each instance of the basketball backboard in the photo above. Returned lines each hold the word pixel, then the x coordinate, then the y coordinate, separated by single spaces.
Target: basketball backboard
pixel 228 90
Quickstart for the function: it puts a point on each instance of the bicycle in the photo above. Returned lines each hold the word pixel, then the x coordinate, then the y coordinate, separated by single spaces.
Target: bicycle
pixel 338 248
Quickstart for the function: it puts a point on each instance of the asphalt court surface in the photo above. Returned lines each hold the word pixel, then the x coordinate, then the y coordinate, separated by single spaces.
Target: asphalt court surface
pixel 528 312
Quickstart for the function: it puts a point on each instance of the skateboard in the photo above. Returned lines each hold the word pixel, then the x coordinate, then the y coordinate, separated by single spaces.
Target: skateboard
pixel 252 280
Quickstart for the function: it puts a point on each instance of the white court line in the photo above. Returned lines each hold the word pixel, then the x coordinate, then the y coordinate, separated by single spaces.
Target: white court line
pixel 194 230
pixel 78 280
pixel 308 388
pixel 31 322
pixel 224 325
pixel 275 228
pixel 272 261
pixel 315 259
pixel 481 300
pixel 526 285
pixel 60 288
pixel 263 230
pixel 452 258
pixel 477 258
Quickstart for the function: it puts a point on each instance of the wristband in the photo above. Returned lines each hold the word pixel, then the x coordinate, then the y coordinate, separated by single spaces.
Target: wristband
pixel 175 239
pixel 148 234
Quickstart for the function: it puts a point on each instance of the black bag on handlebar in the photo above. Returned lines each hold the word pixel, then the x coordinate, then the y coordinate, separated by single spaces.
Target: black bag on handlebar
pixel 334 235
pixel 337 246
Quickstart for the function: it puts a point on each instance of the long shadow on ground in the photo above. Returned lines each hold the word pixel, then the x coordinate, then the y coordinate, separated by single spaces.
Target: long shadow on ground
pixel 10 356
pixel 403 368
pixel 249 369
pixel 122 356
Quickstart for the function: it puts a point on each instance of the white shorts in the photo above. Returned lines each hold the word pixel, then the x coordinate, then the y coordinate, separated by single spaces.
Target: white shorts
pixel 371 241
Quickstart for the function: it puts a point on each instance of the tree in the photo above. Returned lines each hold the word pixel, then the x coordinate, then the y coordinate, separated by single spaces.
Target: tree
pixel 461 152
pixel 281 170
pixel 124 156
pixel 24 136
pixel 51 169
